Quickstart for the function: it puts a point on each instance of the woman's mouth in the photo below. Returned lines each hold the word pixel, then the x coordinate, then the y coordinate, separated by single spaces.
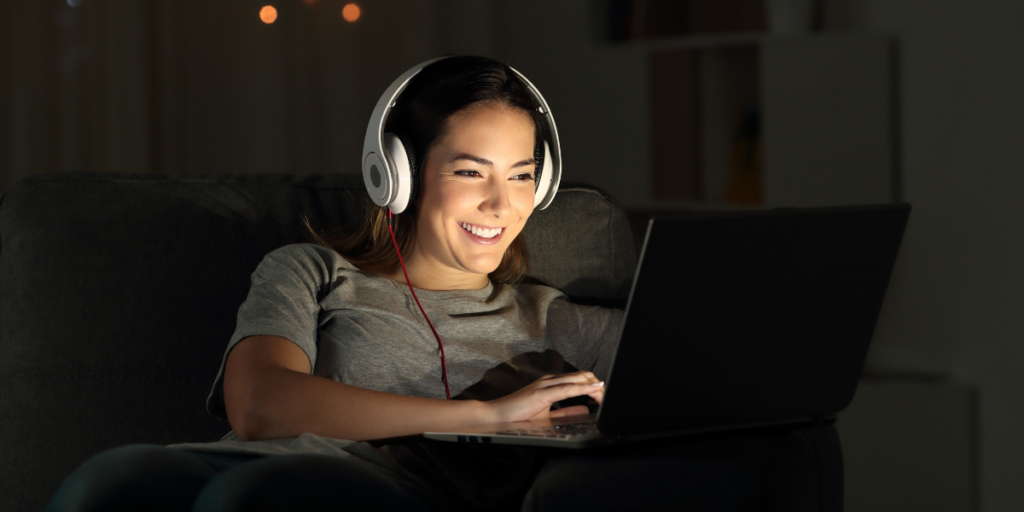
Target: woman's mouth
pixel 481 234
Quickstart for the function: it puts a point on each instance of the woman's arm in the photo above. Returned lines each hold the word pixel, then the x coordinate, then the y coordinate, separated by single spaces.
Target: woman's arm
pixel 269 393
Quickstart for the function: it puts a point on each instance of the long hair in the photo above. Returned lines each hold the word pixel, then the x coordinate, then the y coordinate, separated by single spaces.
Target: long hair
pixel 424 109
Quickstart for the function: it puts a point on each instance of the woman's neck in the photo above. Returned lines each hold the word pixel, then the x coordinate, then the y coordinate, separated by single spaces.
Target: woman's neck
pixel 432 275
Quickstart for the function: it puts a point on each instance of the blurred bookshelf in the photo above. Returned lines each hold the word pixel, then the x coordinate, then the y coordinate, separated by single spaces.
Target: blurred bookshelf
pixel 750 109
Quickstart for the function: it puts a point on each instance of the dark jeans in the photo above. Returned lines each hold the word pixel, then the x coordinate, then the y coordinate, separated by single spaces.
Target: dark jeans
pixel 771 470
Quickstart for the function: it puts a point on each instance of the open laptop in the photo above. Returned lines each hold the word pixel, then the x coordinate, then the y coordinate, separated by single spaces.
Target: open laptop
pixel 736 320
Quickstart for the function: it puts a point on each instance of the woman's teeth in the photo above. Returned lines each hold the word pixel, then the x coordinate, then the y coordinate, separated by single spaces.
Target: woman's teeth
pixel 481 232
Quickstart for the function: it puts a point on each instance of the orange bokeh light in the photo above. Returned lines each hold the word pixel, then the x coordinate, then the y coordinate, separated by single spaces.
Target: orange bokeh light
pixel 350 12
pixel 268 14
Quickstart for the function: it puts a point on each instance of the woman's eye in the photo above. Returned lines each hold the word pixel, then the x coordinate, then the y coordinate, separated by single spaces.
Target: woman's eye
pixel 467 173
pixel 523 177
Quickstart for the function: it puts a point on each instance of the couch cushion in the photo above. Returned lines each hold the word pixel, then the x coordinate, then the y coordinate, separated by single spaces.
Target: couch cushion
pixel 118 294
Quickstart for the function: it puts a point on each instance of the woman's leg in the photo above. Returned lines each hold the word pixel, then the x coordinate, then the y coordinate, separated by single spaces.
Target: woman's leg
pixel 134 477
pixel 311 482
pixel 785 468
pixel 708 472
pixel 471 476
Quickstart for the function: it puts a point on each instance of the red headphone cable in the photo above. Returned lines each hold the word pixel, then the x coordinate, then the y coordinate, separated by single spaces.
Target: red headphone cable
pixel 444 371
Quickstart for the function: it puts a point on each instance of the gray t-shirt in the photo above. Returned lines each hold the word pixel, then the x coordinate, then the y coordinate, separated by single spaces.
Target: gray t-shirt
pixel 365 330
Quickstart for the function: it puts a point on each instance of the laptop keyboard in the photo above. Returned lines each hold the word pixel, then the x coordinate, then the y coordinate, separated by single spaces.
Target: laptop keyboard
pixel 569 431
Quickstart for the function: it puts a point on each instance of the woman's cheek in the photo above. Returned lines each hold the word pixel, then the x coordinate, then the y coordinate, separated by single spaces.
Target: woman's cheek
pixel 524 199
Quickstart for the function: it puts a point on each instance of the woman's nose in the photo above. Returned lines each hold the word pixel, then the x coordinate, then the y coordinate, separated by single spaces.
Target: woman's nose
pixel 497 202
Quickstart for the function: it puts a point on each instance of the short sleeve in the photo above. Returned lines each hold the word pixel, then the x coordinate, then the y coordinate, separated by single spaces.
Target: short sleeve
pixel 284 300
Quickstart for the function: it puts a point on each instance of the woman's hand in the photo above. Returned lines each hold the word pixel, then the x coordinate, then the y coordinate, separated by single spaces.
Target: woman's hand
pixel 534 401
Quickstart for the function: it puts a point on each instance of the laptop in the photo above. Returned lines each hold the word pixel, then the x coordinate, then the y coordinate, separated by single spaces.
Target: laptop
pixel 737 319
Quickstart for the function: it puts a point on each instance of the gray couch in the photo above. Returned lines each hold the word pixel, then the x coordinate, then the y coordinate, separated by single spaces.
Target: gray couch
pixel 118 294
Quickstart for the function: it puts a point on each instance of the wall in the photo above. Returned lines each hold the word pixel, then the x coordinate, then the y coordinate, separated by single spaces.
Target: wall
pixel 955 303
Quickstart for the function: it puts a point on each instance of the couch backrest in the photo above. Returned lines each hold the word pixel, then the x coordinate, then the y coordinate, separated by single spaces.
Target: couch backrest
pixel 118 294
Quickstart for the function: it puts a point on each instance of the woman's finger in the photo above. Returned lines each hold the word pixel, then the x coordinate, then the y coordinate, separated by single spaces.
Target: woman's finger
pixel 565 378
pixel 560 392
pixel 574 410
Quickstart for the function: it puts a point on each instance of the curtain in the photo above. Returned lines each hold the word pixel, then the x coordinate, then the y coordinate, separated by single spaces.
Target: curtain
pixel 201 86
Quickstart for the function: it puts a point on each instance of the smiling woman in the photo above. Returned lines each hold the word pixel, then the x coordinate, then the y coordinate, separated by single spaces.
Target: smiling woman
pixel 330 348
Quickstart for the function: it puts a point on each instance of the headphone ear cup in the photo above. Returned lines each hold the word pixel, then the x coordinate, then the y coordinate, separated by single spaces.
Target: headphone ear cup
pixel 538 173
pixel 543 175
pixel 399 153
pixel 414 170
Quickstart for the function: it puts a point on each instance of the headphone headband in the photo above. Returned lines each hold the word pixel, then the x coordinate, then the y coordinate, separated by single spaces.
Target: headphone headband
pixel 389 177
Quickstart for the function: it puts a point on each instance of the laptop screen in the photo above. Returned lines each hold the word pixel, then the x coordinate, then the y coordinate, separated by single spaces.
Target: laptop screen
pixel 750 317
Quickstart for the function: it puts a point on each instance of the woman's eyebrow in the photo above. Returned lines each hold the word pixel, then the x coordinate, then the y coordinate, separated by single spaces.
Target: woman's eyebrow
pixel 484 161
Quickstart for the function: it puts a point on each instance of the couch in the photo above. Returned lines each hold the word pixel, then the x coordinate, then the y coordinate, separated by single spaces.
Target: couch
pixel 118 293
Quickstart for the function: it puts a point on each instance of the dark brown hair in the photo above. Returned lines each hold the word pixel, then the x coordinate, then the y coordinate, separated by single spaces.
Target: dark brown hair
pixel 421 118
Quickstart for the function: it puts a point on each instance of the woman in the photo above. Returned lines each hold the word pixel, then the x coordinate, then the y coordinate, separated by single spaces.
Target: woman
pixel 333 346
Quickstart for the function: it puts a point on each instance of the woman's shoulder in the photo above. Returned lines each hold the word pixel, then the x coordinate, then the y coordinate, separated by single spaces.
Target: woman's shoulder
pixel 533 290
pixel 540 295
pixel 303 263
pixel 310 254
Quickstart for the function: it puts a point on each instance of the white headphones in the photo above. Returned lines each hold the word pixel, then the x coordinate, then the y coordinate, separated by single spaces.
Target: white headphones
pixel 389 168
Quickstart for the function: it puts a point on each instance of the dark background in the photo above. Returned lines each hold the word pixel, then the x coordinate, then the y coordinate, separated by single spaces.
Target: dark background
pixel 199 86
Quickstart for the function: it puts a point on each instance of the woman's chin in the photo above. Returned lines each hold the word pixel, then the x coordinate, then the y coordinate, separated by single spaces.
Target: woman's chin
pixel 485 270
pixel 483 266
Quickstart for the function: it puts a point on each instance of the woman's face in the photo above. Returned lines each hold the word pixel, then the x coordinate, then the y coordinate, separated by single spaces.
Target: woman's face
pixel 477 192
